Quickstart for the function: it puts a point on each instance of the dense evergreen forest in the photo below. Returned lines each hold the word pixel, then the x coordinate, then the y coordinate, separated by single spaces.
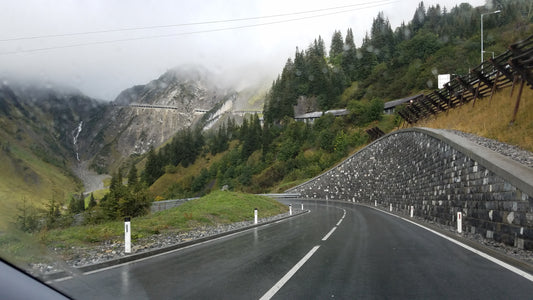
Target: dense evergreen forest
pixel 390 64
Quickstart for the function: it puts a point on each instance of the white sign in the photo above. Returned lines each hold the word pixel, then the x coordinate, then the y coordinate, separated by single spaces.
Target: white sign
pixel 443 79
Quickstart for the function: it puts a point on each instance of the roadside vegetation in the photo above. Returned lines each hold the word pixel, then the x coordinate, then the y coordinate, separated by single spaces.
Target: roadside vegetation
pixel 221 207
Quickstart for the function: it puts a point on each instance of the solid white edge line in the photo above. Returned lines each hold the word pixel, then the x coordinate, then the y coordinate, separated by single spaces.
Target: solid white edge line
pixel 168 252
pixel 339 223
pixel 329 233
pixel 273 290
pixel 507 266
pixel 59 279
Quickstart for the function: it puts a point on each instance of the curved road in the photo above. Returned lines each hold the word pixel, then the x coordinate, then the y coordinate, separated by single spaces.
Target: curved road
pixel 369 254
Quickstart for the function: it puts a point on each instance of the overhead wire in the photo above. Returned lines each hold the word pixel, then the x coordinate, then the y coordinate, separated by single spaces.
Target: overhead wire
pixel 368 5
pixel 382 2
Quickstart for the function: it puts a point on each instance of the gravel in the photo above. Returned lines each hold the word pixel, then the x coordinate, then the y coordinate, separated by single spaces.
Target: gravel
pixel 522 156
pixel 520 254
pixel 92 181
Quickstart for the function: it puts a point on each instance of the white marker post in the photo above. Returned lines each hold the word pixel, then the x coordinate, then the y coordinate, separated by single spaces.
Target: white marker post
pixel 459 222
pixel 412 210
pixel 255 215
pixel 390 207
pixel 127 235
pixel 302 206
pixel 290 209
pixel 375 202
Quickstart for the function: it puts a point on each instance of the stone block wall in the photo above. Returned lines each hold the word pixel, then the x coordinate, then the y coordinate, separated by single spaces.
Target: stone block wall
pixel 439 176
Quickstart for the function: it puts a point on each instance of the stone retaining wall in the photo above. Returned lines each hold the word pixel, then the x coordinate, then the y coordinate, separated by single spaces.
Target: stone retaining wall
pixel 439 174
pixel 167 204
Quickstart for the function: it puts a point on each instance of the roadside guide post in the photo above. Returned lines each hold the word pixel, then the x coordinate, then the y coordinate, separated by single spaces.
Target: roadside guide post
pixel 255 215
pixel 290 209
pixel 459 222
pixel 127 235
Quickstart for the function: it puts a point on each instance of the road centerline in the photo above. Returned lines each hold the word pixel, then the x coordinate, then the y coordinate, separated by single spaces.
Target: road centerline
pixel 329 233
pixel 273 290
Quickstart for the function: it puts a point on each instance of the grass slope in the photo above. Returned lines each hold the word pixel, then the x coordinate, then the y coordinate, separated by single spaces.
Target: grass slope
pixel 24 176
pixel 216 208
pixel 491 119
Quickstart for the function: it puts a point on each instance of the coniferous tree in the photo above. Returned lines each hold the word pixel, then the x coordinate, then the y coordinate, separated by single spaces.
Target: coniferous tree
pixel 132 176
pixel 81 203
pixel 418 18
pixel 52 213
pixel 153 169
pixel 382 38
pixel 349 56
pixel 367 59
pixel 92 201
pixel 73 205
pixel 336 49
pixel 252 138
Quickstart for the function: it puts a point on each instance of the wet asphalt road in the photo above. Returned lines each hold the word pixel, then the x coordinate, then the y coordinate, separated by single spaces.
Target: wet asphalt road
pixel 369 255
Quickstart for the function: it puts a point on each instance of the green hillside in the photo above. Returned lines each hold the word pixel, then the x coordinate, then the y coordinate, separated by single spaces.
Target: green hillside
pixel 26 177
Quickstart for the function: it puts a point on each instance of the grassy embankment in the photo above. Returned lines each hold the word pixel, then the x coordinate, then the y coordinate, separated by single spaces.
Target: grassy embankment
pixel 491 119
pixel 216 208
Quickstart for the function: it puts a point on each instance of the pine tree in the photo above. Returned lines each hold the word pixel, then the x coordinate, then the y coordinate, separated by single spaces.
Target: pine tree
pixel 53 213
pixel 349 57
pixel 132 176
pixel 81 203
pixel 418 18
pixel 252 140
pixel 92 201
pixel 382 38
pixel 336 49
pixel 153 169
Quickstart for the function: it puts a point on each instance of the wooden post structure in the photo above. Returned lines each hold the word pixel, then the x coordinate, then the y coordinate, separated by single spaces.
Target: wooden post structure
pixel 522 81
pixel 477 93
pixel 494 86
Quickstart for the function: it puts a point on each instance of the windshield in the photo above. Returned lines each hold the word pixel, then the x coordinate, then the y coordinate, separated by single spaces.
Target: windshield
pixel 133 132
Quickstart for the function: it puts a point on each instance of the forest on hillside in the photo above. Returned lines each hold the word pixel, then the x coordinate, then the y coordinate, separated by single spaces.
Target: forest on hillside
pixel 392 64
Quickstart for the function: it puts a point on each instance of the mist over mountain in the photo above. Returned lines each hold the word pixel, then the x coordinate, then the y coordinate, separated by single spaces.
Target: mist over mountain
pixel 146 116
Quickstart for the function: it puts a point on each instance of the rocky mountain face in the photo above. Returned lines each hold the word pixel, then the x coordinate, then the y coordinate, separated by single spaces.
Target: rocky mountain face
pixel 146 116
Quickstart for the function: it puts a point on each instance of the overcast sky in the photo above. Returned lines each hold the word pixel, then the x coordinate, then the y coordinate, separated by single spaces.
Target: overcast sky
pixel 39 39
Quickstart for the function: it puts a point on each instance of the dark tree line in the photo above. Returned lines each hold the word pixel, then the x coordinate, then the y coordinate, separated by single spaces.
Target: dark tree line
pixel 131 199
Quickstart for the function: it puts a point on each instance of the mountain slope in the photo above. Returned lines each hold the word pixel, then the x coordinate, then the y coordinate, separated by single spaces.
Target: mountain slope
pixel 37 143
pixel 146 116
